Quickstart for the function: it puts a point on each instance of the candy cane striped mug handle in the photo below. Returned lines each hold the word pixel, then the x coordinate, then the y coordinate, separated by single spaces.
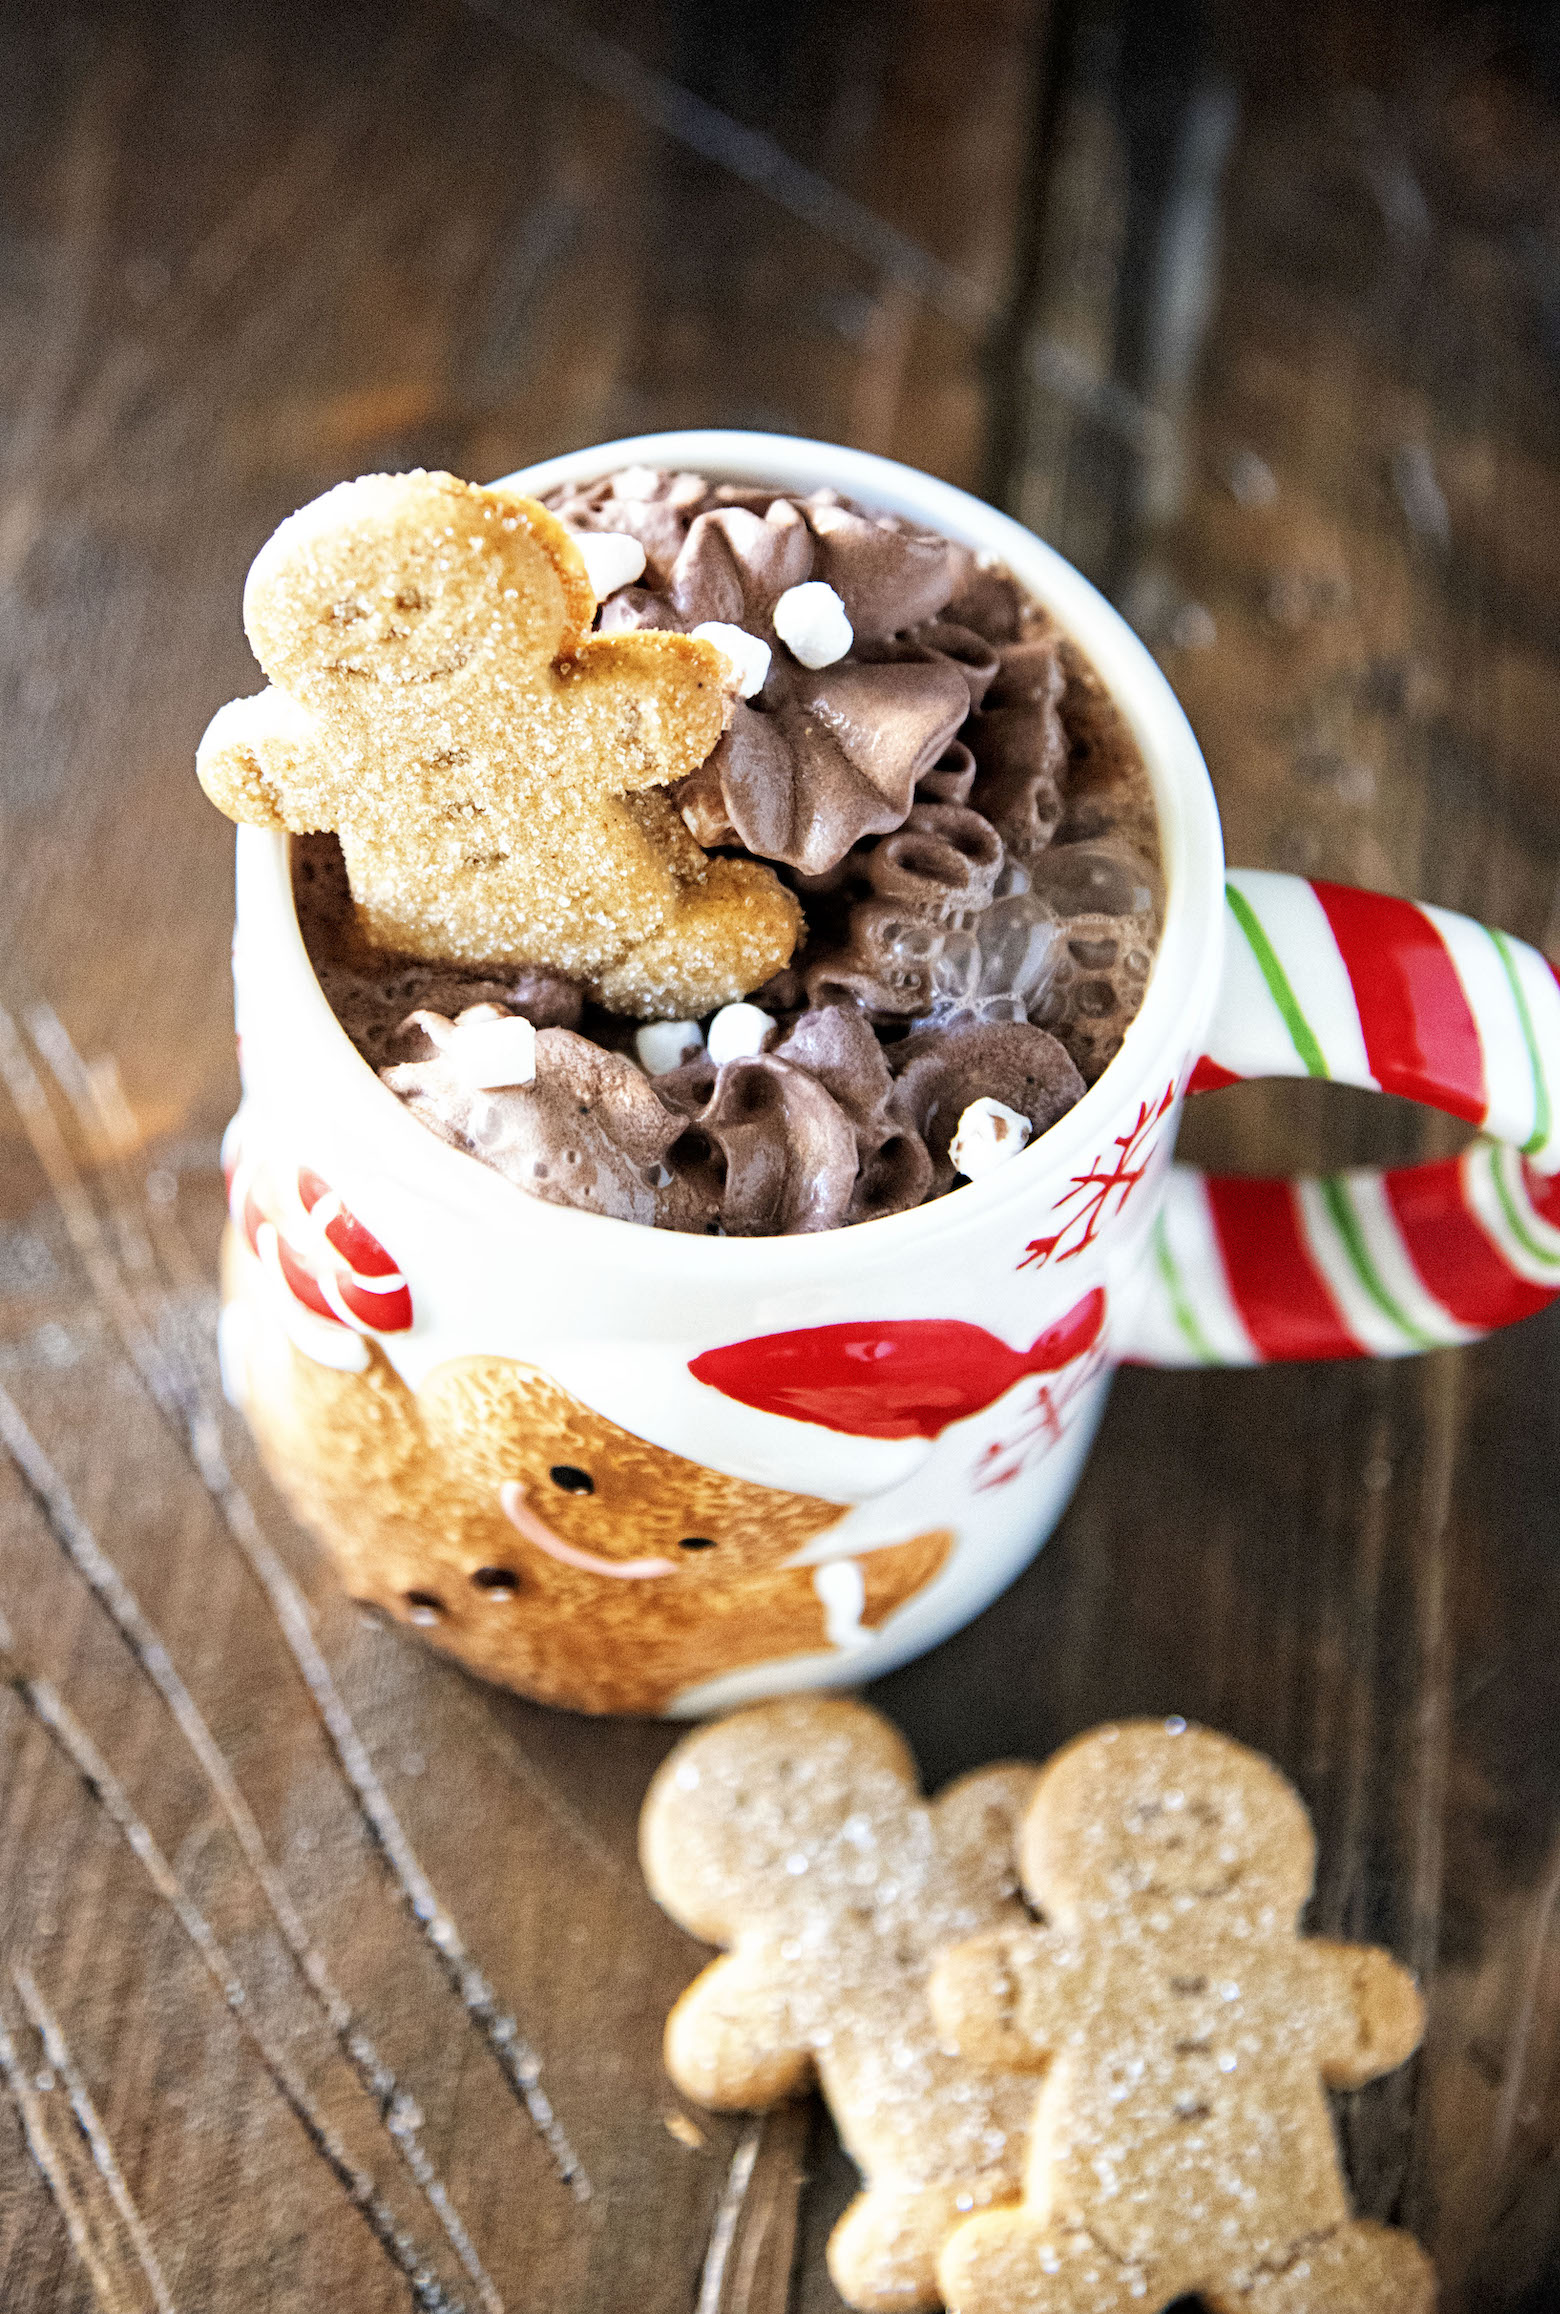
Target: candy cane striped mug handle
pixel 1321 980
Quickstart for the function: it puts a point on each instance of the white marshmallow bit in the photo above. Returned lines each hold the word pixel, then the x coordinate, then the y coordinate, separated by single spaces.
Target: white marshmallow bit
pixel 738 1031
pixel 810 620
pixel 612 559
pixel 639 482
pixel 489 1050
pixel 747 654
pixel 662 1045
pixel 988 1134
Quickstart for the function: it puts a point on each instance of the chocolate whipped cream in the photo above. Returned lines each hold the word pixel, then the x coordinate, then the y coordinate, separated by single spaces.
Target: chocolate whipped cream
pixel 962 813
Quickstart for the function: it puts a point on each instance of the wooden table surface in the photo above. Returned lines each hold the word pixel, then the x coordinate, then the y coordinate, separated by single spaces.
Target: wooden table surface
pixel 319 1961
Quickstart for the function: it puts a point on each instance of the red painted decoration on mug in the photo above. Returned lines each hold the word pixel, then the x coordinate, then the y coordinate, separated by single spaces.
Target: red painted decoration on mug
pixel 330 1262
pixel 891 1378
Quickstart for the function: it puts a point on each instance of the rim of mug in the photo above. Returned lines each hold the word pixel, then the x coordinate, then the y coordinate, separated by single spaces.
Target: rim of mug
pixel 1177 1001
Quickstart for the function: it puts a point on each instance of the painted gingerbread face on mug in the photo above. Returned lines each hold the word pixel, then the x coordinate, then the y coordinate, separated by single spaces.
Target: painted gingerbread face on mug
pixel 544 1545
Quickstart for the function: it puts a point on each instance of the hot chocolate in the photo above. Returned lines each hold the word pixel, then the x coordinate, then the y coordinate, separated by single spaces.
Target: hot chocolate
pixel 933 770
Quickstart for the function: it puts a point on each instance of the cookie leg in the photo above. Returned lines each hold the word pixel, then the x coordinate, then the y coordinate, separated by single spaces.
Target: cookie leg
pixel 883 2252
pixel 1002 2261
pixel 1360 2269
pixel 730 931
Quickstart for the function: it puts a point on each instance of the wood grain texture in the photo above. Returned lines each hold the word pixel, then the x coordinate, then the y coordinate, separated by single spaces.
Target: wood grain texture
pixel 1255 316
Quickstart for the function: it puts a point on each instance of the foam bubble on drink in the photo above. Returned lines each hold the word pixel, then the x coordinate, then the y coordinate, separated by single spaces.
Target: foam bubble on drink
pixel 1085 880
pixel 1020 945
pixel 1002 969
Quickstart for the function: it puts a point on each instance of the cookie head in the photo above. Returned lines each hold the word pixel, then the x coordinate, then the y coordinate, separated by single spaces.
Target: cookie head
pixel 399 587
pixel 750 1814
pixel 1154 1811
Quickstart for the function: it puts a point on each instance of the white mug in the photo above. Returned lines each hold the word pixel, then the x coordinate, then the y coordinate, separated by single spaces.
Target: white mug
pixel 933 1378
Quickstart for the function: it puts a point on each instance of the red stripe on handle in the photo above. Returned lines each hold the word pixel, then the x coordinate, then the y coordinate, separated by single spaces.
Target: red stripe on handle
pixel 1462 1267
pixel 1210 1077
pixel 1543 1192
pixel 1420 1034
pixel 1284 1306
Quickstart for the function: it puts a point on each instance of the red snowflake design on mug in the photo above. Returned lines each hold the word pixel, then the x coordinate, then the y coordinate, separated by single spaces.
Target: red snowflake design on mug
pixel 330 1263
pixel 1042 1423
pixel 1114 1174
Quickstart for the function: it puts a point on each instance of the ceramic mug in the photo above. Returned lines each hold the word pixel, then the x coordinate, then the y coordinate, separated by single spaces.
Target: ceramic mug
pixel 722 1468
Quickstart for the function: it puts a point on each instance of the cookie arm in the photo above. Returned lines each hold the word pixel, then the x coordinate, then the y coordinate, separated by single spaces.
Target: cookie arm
pixel 999 1999
pixel 257 763
pixel 653 705
pixel 1374 2016
pixel 731 2041
pixel 979 1818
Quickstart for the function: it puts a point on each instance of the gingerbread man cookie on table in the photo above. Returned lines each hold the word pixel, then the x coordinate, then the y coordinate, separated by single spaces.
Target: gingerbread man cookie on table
pixel 795 1834
pixel 1186 2034
pixel 494 771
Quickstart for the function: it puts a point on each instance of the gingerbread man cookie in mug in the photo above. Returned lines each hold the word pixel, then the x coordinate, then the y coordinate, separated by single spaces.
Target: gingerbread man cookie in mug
pixel 1187 2034
pixel 494 771
pixel 795 1834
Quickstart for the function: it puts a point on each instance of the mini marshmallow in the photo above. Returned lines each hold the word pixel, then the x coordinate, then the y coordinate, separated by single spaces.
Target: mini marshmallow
pixel 738 1031
pixel 988 1134
pixel 636 482
pixel 488 1050
pixel 810 620
pixel 747 654
pixel 662 1045
pixel 611 559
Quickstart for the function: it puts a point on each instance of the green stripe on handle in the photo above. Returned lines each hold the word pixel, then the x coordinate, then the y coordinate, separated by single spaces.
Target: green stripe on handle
pixel 1542 1113
pixel 1300 1032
